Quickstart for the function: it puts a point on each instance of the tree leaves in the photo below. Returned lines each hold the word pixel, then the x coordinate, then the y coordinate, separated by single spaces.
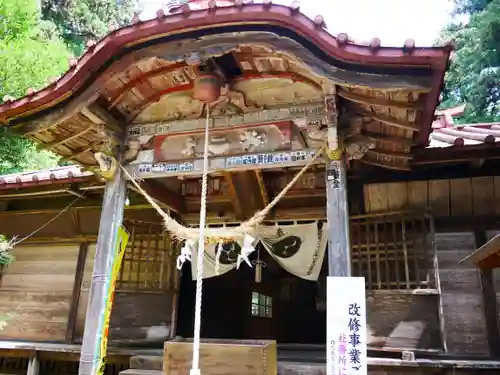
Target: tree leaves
pixel 475 70
pixel 33 50
pixel 81 20
pixel 29 56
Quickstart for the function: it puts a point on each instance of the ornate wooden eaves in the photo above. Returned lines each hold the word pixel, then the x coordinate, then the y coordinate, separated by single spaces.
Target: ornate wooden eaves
pixel 133 68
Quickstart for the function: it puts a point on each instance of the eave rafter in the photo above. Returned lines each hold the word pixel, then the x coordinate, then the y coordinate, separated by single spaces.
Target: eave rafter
pixel 101 116
pixel 389 120
pixel 144 77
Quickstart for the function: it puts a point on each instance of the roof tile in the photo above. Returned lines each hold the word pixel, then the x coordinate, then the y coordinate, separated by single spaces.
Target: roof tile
pixel 68 174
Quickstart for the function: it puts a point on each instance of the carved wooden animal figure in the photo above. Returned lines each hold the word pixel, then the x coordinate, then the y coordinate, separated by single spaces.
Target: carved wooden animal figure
pixel 134 147
pixel 252 139
pixel 219 145
pixel 190 147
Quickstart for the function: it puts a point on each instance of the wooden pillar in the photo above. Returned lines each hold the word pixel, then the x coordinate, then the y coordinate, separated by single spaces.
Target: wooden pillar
pixel 489 301
pixel 337 213
pixel 111 219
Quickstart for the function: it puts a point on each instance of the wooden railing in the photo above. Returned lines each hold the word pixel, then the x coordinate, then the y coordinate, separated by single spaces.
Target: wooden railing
pixel 149 260
pixel 393 250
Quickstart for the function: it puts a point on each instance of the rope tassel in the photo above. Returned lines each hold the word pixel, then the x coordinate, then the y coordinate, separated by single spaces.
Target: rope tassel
pixel 246 250
pixel 220 249
pixel 185 255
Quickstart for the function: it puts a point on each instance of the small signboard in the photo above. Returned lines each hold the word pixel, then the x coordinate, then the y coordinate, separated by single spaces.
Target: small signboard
pixel 346 326
pixel 333 175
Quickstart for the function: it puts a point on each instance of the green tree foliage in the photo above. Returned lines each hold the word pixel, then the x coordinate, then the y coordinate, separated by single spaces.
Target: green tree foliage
pixel 30 53
pixel 470 6
pixel 475 70
pixel 81 20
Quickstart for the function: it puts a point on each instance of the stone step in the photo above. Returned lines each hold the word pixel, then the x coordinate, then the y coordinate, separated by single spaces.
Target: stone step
pixel 136 371
pixel 147 362
pixel 298 368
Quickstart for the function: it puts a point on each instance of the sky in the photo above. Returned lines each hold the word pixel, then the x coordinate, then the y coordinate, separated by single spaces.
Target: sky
pixel 392 21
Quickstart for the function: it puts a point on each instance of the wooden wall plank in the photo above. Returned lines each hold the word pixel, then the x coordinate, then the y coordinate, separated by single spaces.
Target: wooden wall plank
pixel 418 194
pixel 397 196
pixel 377 198
pixel 36 292
pixel 439 197
pixel 366 196
pixel 460 197
pixel 496 186
pixel 483 196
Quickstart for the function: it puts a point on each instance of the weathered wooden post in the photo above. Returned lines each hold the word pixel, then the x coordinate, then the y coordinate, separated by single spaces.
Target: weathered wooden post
pixel 346 298
pixel 111 219
pixel 337 212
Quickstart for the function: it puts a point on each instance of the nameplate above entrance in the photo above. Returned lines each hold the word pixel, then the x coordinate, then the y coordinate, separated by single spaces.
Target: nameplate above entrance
pixel 269 160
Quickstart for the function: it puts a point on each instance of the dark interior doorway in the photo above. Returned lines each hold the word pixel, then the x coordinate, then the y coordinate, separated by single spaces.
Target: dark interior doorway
pixel 282 307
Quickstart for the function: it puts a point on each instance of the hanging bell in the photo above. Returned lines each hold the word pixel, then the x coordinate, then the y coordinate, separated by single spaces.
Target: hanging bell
pixel 207 88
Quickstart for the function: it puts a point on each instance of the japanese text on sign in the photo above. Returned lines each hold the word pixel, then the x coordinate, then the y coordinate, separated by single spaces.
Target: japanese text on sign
pixel 346 326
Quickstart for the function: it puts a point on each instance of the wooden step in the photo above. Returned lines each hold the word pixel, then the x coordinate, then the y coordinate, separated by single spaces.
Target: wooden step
pixel 147 362
pixel 136 371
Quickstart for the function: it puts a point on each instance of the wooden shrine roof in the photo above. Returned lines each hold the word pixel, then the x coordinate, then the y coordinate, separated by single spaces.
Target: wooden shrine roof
pixel 273 55
pixel 486 256
pixel 487 134
pixel 452 143
pixel 446 133
pixel 68 174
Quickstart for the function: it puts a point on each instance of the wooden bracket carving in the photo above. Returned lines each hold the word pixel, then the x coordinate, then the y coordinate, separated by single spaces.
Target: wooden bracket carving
pixel 357 146
pixel 108 165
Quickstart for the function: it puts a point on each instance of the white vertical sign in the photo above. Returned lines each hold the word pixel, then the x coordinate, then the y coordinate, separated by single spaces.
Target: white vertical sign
pixel 346 326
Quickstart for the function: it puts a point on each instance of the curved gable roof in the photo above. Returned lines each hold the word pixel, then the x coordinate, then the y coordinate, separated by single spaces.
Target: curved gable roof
pixel 336 51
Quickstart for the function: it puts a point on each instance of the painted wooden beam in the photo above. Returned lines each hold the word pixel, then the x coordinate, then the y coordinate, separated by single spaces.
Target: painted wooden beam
pixel 230 163
pixel 337 213
pixel 111 219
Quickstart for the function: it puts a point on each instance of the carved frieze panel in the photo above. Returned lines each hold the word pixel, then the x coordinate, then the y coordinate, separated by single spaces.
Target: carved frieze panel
pixel 233 141
pixel 281 128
